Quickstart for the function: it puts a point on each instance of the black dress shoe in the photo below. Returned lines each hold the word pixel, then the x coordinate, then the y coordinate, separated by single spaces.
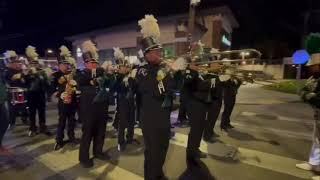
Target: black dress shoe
pixel 87 164
pixel 45 132
pixel 215 135
pixel 196 155
pixel 57 146
pixel 102 157
pixel 201 154
pixel 209 139
pixel 133 141
pixel 73 141
pixel 224 128
pixel 229 126
pixel 121 147
pixel 32 133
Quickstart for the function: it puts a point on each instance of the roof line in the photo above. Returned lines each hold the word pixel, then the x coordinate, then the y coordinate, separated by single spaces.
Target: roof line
pixel 224 10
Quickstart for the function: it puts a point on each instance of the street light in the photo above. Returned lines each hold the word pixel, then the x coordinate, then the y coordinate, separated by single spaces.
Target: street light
pixel 244 54
pixel 49 51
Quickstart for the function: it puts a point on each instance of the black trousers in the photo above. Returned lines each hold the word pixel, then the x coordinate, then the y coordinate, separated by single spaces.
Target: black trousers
pixel 229 100
pixel 66 116
pixel 126 119
pixel 93 129
pixel 213 114
pixel 156 142
pixel 182 116
pixel 115 123
pixel 37 104
pixel 198 116
pixel 4 120
pixel 137 109
pixel 15 110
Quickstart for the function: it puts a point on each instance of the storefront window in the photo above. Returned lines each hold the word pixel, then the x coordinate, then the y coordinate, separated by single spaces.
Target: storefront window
pixel 169 51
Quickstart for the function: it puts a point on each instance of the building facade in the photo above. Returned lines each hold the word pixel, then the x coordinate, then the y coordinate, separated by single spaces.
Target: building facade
pixel 213 27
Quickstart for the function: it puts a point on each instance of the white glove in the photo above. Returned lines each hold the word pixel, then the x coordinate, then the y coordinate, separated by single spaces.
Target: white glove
pixel 16 76
pixel 224 78
pixel 179 64
pixel 133 73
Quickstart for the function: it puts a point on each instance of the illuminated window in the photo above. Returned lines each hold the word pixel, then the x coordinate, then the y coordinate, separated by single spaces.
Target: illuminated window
pixel 79 52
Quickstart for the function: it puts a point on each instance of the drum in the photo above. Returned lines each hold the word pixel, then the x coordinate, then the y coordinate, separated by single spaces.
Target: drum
pixel 17 95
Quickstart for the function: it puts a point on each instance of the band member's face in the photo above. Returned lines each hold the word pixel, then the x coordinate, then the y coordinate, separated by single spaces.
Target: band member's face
pixel 91 65
pixel 154 56
pixel 123 70
pixel 34 65
pixel 16 66
pixel 110 69
pixel 63 67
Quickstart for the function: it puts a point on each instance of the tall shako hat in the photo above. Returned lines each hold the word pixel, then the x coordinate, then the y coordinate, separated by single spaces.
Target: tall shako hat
pixel 64 55
pixel 32 55
pixel 150 33
pixel 90 52
pixel 11 57
pixel 120 57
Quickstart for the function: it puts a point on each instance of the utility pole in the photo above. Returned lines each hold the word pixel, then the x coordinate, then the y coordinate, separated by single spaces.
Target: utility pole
pixel 305 32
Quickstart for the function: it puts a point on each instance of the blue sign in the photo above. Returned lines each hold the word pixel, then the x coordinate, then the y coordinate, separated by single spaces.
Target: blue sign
pixel 301 57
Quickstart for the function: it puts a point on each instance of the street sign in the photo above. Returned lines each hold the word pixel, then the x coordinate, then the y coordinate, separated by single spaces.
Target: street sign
pixel 301 57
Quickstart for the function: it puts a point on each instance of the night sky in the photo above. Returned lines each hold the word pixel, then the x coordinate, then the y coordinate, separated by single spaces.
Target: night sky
pixel 264 24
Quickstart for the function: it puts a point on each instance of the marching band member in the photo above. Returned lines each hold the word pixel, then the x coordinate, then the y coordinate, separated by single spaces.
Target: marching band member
pixel 230 90
pixel 311 95
pixel 65 88
pixel 4 119
pixel 126 93
pixel 201 88
pixel 38 83
pixel 154 85
pixel 94 87
pixel 214 110
pixel 15 78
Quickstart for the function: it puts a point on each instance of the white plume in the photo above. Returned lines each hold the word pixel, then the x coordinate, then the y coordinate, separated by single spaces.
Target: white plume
pixel 118 54
pixel 106 64
pixel 72 61
pixel 41 62
pixel 64 51
pixel 31 52
pixel 48 71
pixel 88 46
pixel 179 64
pixel 10 54
pixel 195 2
pixel 149 27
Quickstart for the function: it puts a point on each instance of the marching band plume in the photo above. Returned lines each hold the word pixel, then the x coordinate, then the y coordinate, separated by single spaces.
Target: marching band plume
pixel 149 27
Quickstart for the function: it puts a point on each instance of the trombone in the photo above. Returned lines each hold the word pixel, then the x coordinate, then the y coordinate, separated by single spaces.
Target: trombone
pixel 216 56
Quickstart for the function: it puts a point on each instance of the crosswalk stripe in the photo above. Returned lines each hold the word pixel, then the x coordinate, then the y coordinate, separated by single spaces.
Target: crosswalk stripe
pixel 252 157
pixel 279 132
pixel 59 162
pixel 254 128
pixel 280 118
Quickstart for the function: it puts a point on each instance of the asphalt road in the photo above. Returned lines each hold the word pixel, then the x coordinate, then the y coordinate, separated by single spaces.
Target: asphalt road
pixel 272 133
